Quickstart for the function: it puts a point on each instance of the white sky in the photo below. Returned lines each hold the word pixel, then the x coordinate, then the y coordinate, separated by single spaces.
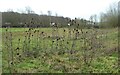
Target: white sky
pixel 66 8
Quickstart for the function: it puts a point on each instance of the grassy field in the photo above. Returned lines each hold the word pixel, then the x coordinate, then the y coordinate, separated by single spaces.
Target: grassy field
pixel 52 50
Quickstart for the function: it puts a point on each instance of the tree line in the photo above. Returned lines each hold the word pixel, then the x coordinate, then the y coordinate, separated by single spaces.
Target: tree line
pixel 15 19
pixel 30 19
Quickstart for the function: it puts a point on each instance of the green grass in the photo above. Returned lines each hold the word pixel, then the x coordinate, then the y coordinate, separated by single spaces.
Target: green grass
pixel 45 58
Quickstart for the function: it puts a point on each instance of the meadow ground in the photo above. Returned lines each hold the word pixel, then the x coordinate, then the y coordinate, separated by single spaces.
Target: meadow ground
pixel 59 50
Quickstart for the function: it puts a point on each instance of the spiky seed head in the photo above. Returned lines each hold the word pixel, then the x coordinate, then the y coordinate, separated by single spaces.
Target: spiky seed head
pixel 17 53
pixel 53 41
pixel 64 30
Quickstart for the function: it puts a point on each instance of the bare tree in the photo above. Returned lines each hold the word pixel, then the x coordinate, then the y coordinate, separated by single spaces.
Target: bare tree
pixel 29 10
pixel 110 18
pixel 49 13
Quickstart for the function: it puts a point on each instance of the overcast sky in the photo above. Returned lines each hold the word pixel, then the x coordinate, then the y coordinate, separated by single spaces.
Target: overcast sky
pixel 66 8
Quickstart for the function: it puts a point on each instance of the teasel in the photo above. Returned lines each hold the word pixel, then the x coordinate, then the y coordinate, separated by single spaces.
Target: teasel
pixel 37 39
pixel 10 50
pixel 56 35
pixel 51 24
pixel 69 31
pixel 62 38
pixel 77 32
pixel 18 46
pixel 84 50
pixel 29 39
pixel 7 48
pixel 43 41
pixel 24 44
pixel 73 39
